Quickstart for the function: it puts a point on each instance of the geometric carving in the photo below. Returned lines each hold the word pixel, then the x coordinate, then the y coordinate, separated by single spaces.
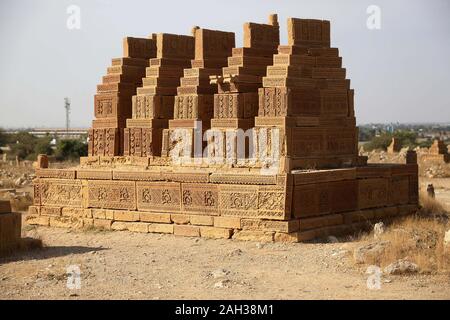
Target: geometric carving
pixel 372 193
pixel 60 192
pixel 158 196
pixel 200 198
pixel 112 194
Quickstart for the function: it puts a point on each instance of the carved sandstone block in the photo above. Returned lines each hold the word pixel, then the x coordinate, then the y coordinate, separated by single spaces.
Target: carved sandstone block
pixel 213 44
pixel 58 192
pixel 200 198
pixel 399 190
pixel 264 36
pixel 139 48
pixel 159 196
pixel 174 46
pixel 112 194
pixel 372 193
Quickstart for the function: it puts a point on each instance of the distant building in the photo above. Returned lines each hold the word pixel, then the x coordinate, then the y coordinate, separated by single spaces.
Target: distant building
pixel 62 133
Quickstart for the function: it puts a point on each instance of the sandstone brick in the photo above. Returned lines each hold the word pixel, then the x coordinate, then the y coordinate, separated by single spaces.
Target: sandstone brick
pixel 155 217
pixel 187 231
pixel 72 212
pixel 138 227
pixel 213 232
pixel 202 220
pixel 66 222
pixel 87 213
pixel 88 222
pixel 252 235
pixel 102 224
pixel 270 225
pixel 180 218
pixel 160 228
pixel 99 213
pixel 227 222
pixel 307 235
pixel 126 215
pixel 38 220
pixel 51 211
pixel 286 237
pixel 34 210
pixel 119 225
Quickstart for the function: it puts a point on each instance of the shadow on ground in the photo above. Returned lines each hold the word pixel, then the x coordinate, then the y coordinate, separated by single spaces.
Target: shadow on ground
pixel 47 252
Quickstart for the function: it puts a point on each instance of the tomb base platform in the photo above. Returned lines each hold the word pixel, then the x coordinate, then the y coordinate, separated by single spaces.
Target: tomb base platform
pixel 221 200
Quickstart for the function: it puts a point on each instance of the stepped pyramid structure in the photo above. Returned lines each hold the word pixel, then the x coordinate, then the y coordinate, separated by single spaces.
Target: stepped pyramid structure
pixel 195 96
pixel 307 96
pixel 113 99
pixel 301 177
pixel 236 104
pixel 153 105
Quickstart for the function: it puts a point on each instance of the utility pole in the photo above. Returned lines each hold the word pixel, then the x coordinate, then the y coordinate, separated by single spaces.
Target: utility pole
pixel 67 107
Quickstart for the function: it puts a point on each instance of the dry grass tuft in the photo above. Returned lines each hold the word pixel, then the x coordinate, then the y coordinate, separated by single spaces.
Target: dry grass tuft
pixel 418 239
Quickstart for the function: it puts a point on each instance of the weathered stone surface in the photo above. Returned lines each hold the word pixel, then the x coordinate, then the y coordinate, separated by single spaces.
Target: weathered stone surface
pixel 155 217
pixel 227 222
pixel 250 235
pixel 160 228
pixel 213 232
pixel 38 220
pixel 120 215
pixel 370 252
pixel 112 195
pixel 201 220
pixel 401 267
pixel 186 230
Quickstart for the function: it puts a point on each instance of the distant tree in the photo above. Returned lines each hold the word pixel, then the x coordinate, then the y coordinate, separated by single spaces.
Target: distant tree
pixel 3 138
pixel 380 142
pixel 366 133
pixel 70 149
pixel 42 146
pixel 27 146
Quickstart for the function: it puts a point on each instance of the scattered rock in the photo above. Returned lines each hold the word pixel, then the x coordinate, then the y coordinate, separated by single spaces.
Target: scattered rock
pixel 447 238
pixel 235 252
pixel 221 284
pixel 370 251
pixel 18 182
pixel 219 273
pixel 259 245
pixel 401 267
pixel 378 229
pixel 332 239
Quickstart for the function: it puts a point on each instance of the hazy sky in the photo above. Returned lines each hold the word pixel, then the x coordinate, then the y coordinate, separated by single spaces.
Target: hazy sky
pixel 400 72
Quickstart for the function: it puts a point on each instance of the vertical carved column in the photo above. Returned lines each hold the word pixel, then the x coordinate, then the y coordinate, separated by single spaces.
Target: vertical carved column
pixel 153 105
pixel 112 102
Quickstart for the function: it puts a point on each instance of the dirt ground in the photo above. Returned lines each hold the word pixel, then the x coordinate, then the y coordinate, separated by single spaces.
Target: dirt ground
pixel 124 265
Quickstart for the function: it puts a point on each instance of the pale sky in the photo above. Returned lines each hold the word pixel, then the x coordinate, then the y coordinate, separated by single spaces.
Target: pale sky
pixel 400 72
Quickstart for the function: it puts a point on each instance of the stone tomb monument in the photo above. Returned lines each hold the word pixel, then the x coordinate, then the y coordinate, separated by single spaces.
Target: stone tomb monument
pixel 277 160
